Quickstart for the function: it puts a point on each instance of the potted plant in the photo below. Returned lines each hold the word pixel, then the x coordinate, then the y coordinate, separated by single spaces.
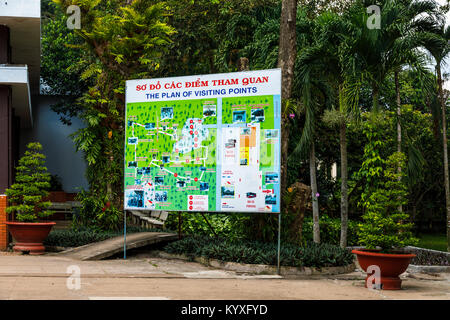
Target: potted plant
pixel 386 230
pixel 27 204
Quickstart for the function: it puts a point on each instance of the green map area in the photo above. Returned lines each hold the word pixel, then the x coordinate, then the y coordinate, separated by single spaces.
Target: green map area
pixel 170 154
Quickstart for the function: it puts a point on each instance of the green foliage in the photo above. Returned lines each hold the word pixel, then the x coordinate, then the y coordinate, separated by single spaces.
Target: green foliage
pixel 254 252
pixel 32 182
pixel 195 224
pixel 97 213
pixel 330 230
pixel 384 226
pixel 83 236
pixel 120 41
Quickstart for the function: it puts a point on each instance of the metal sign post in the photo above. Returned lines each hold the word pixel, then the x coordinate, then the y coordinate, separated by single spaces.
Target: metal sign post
pixel 279 244
pixel 124 234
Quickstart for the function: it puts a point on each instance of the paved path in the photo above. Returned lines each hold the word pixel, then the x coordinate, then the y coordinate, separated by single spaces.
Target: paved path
pixel 107 248
pixel 145 277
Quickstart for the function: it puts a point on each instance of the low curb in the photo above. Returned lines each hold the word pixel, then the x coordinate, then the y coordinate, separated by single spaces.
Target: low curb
pixel 261 269
pixel 428 269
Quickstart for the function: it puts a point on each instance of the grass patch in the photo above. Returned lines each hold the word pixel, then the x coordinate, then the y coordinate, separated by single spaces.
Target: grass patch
pixel 433 241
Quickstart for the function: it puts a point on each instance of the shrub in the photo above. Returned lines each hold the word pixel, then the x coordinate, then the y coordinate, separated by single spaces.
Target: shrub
pixel 97 213
pixel 254 252
pixel 384 226
pixel 330 230
pixel 32 182
pixel 76 238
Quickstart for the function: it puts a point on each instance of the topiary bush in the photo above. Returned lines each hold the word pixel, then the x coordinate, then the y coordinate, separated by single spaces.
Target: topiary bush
pixel 31 187
pixel 254 252
pixel 384 225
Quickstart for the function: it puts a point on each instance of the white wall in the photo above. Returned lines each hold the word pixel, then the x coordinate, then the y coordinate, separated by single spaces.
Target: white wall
pixel 62 158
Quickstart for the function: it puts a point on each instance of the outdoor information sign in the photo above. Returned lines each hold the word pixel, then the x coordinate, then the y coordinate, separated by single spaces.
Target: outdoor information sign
pixel 204 143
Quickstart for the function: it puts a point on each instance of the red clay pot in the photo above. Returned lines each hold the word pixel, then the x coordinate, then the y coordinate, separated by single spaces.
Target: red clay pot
pixel 30 236
pixel 391 266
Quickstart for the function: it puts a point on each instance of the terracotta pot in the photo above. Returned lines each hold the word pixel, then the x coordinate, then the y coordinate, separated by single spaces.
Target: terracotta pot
pixel 30 236
pixel 391 266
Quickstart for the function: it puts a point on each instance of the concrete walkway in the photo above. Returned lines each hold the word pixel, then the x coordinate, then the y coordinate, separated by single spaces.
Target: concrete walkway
pixel 107 248
pixel 146 277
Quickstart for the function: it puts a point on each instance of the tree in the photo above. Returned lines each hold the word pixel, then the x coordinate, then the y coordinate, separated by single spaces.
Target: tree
pixel 438 46
pixel 122 40
pixel 286 60
pixel 32 183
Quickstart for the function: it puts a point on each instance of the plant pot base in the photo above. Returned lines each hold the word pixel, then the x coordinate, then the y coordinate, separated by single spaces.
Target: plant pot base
pixel 388 283
pixel 30 248
pixel 29 237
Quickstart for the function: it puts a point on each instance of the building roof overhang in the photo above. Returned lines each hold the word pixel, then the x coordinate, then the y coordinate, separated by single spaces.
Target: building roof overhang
pixel 16 76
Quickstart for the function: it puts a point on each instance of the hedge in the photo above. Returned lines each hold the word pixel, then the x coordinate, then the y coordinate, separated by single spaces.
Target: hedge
pixel 73 238
pixel 330 230
pixel 254 252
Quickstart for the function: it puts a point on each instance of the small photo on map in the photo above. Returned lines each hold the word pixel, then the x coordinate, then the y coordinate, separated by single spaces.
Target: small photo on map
pixel 227 192
pixel 271 134
pixel 209 111
pixel 181 184
pixel 166 113
pixel 165 159
pixel 230 144
pixel 202 168
pixel 133 140
pixel 134 198
pixel 271 199
pixel 204 186
pixel 130 123
pixel 245 131
pixel 250 195
pixel 159 181
pixel 132 164
pixel 161 196
pixel 150 126
pixel 137 182
pixel 146 170
pixel 257 115
pixel 271 177
pixel 244 162
pixel 139 171
pixel 239 116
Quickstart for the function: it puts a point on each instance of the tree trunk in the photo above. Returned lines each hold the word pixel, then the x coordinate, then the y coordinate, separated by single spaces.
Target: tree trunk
pixel 286 60
pixel 344 185
pixel 375 96
pixel 444 137
pixel 315 200
pixel 399 127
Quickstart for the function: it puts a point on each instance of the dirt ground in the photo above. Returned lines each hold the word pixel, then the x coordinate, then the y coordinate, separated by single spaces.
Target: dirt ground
pixel 146 277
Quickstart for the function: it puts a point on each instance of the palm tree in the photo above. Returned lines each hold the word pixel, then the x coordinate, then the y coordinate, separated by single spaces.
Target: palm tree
pixel 315 93
pixel 437 44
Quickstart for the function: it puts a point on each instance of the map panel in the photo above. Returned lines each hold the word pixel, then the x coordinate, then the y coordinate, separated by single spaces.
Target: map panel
pixel 218 153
